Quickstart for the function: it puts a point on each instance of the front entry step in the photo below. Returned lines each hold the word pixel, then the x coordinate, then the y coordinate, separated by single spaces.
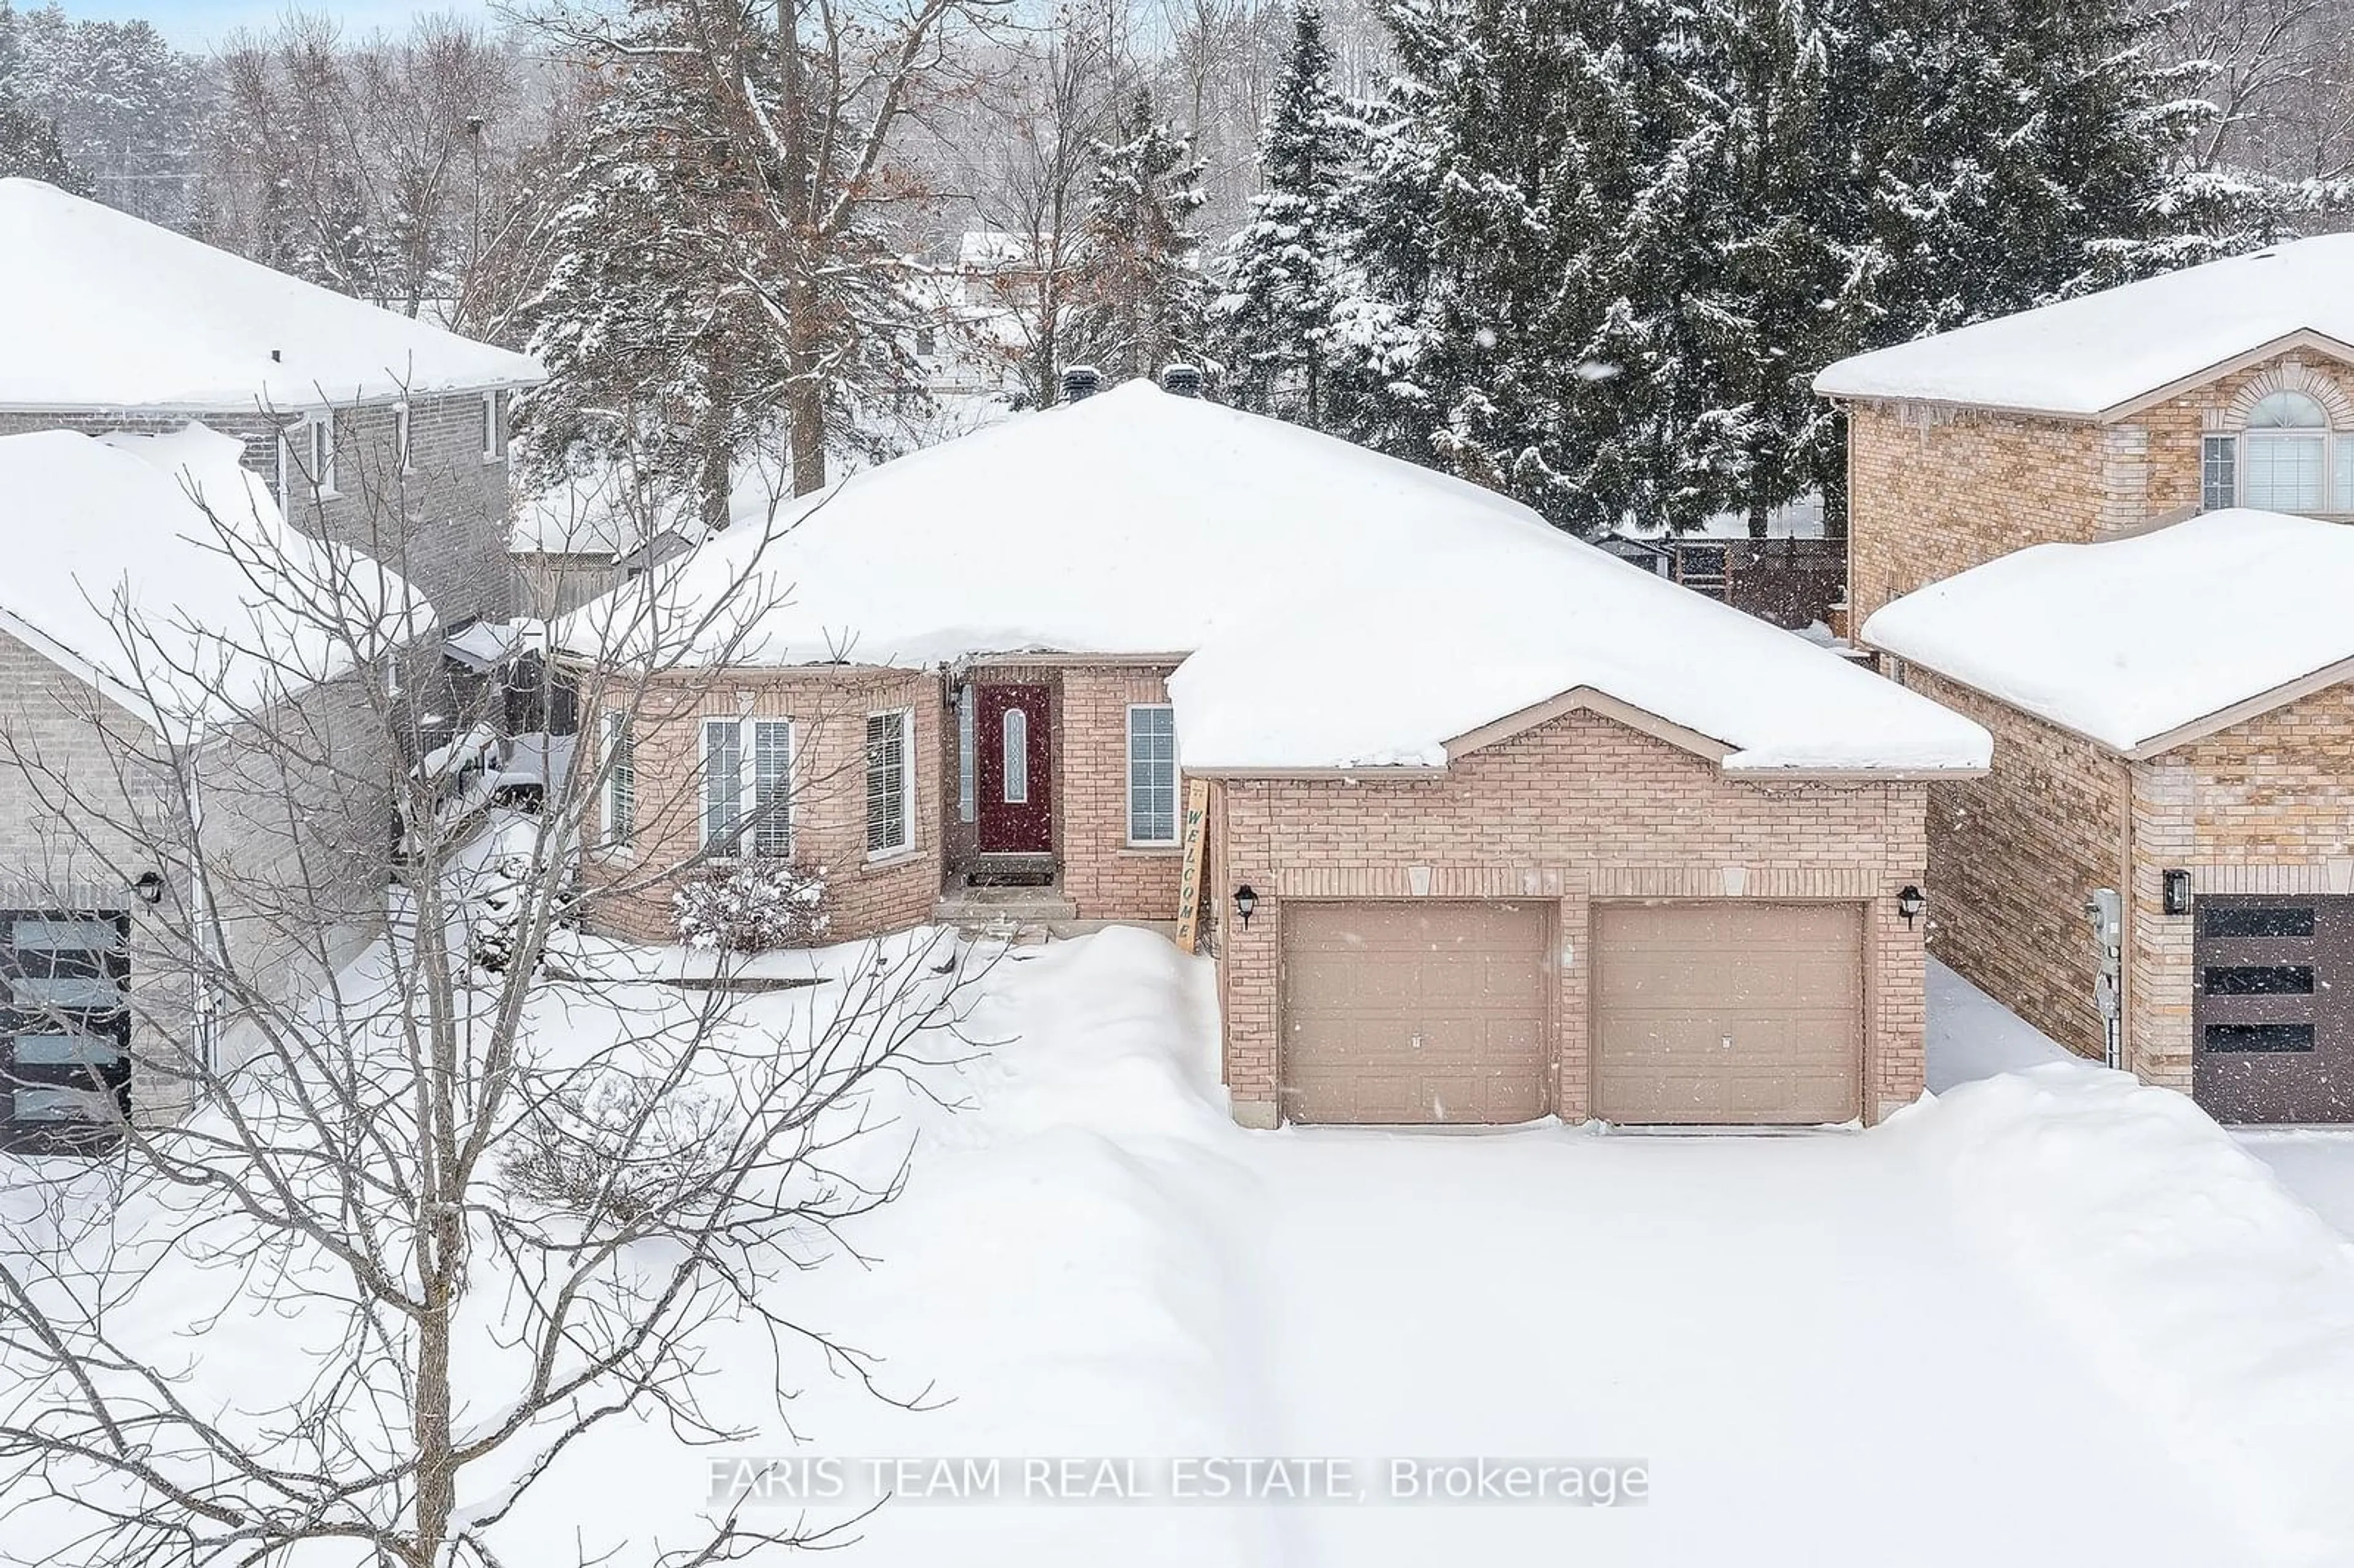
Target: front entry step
pixel 1007 914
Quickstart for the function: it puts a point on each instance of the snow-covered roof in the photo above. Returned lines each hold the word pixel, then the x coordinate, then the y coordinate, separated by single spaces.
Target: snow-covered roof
pixel 100 310
pixel 1336 608
pixel 2130 639
pixel 2084 358
pixel 991 247
pixel 158 568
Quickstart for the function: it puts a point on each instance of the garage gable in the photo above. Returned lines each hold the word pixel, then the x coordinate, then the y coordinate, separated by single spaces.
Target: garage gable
pixel 1587 699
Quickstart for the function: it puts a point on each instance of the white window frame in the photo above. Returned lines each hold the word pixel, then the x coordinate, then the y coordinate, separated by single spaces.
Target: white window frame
pixel 748 789
pixel 315 466
pixel 494 445
pixel 2336 474
pixel 1176 774
pixel 968 756
pixel 905 719
pixel 400 437
pixel 620 786
pixel 1013 754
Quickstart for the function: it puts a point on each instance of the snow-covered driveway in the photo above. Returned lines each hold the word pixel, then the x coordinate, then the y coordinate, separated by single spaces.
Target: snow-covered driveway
pixel 1816 1364
pixel 2024 1326
pixel 2052 1317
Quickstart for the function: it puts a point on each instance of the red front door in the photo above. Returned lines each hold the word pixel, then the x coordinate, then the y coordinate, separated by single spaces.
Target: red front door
pixel 1015 777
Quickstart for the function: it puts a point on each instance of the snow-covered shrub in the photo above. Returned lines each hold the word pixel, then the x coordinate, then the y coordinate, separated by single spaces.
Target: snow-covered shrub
pixel 752 906
pixel 610 1146
pixel 495 901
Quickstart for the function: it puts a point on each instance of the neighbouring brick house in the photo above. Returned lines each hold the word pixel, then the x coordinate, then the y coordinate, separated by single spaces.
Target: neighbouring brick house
pixel 2147 733
pixel 166 708
pixel 2153 647
pixel 136 359
pixel 2226 385
pixel 1495 826
pixel 373 429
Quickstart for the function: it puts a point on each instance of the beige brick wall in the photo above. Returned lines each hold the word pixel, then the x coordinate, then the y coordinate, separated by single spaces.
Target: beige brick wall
pixel 1105 877
pixel 2013 856
pixel 1578 809
pixel 294 835
pixel 2267 806
pixel 1935 490
pixel 1950 490
pixel 630 890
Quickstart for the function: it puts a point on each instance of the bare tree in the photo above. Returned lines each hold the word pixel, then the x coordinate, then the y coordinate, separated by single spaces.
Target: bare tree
pixel 489 1234
pixel 2248 58
pixel 388 168
pixel 1030 182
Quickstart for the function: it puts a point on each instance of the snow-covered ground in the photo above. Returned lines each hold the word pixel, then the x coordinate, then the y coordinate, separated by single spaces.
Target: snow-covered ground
pixel 2048 1318
pixel 1973 1036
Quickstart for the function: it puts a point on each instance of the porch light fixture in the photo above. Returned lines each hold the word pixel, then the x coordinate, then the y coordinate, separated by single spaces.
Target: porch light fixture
pixel 149 885
pixel 1910 902
pixel 2177 884
pixel 1246 900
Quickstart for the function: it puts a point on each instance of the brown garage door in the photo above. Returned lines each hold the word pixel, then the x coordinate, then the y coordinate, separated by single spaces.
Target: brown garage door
pixel 1727 1014
pixel 1415 1012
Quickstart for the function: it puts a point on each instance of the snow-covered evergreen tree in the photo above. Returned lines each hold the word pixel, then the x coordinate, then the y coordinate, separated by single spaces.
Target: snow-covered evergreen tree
pixel 656 353
pixel 1600 248
pixel 1141 301
pixel 1283 273
pixel 31 148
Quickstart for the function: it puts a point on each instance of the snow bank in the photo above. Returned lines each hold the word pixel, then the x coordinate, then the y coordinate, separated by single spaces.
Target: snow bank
pixel 101 310
pixel 2124 639
pixel 161 568
pixel 2083 357
pixel 2188 1279
pixel 1340 609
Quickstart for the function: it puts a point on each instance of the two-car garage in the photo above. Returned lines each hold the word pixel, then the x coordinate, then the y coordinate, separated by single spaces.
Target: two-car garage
pixel 1696 1011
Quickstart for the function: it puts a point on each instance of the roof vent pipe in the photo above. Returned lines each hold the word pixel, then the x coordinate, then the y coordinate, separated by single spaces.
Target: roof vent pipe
pixel 1080 381
pixel 1183 380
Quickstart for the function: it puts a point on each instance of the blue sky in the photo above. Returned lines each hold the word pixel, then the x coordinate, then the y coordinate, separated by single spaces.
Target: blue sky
pixel 194 23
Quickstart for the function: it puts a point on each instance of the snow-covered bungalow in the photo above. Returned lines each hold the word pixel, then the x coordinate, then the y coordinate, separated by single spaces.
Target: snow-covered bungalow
pixel 178 668
pixel 1482 823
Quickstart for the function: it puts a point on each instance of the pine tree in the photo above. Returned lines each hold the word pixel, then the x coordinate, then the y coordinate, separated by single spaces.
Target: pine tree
pixel 658 358
pixel 1496 179
pixel 1283 277
pixel 1600 248
pixel 1142 302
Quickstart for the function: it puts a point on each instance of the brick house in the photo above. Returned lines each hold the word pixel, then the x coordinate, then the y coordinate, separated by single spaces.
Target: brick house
pixel 136 357
pixel 156 705
pixel 2147 744
pixel 373 429
pixel 2226 385
pixel 1493 825
pixel 2081 447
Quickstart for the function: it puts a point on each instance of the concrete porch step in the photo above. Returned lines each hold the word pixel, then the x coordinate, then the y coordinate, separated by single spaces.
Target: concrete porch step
pixel 1007 913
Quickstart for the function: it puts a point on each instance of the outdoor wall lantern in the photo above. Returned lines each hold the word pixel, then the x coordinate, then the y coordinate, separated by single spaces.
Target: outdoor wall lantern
pixel 149 886
pixel 1910 902
pixel 2177 892
pixel 1246 900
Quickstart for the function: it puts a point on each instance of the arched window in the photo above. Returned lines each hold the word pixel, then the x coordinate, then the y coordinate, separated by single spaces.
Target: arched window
pixel 2285 455
pixel 1017 758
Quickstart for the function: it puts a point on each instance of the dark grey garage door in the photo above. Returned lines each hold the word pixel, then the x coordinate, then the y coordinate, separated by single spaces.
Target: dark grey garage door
pixel 2273 1015
pixel 64 1034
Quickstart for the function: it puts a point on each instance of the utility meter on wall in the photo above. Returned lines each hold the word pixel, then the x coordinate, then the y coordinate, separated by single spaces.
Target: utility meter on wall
pixel 2105 911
